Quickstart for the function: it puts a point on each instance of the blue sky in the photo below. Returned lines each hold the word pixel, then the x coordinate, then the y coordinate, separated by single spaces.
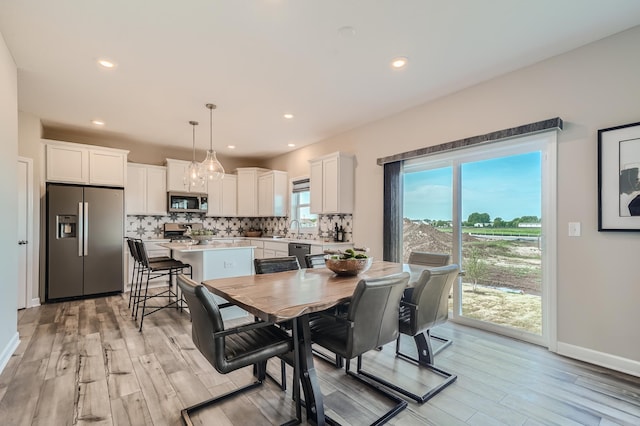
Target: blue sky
pixel 506 187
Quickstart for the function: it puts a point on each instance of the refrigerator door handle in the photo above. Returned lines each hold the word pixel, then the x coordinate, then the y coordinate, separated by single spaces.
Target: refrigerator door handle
pixel 80 228
pixel 85 231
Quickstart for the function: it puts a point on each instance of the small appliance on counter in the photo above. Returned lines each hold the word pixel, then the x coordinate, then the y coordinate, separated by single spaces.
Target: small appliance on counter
pixel 176 231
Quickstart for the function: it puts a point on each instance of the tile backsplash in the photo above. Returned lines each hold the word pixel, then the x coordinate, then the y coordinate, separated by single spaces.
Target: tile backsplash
pixel 151 227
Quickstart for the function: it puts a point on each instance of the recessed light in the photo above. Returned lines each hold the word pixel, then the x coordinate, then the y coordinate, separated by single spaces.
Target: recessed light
pixel 231 146
pixel 97 122
pixel 291 145
pixel 288 116
pixel 400 62
pixel 105 63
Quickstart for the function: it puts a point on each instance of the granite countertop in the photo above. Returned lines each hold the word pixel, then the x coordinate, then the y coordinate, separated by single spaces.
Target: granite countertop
pixel 301 241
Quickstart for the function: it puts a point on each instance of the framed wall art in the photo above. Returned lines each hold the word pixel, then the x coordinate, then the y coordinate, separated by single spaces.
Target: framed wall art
pixel 619 178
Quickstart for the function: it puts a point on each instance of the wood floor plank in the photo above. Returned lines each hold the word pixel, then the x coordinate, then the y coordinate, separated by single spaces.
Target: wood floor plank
pixel 93 404
pixel 130 410
pixel 121 378
pixel 162 400
pixel 21 398
pixel 56 405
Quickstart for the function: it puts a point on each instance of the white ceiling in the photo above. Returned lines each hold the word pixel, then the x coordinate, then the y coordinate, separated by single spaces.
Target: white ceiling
pixel 259 59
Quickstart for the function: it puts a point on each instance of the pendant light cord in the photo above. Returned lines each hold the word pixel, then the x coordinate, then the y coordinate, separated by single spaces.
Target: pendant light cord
pixel 193 126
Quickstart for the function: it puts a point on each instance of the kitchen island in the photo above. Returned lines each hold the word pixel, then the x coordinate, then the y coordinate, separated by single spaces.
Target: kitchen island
pixel 216 260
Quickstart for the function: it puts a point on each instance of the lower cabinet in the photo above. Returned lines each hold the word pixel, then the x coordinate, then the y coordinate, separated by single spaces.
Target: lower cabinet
pixel 258 252
pixel 275 249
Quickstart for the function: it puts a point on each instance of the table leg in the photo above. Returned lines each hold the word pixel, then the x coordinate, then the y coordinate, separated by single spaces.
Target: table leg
pixel 308 376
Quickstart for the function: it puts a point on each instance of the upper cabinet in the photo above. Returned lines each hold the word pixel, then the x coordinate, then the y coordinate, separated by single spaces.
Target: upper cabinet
pixel 262 192
pixel 176 171
pixel 223 196
pixel 85 164
pixel 248 190
pixel 146 189
pixel 331 183
pixel 273 188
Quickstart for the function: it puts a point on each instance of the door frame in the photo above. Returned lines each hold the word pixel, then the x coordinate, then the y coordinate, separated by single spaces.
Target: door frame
pixel 31 270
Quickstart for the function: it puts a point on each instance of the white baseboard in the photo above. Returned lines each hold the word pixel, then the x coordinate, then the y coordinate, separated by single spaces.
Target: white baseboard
pixel 34 302
pixel 602 359
pixel 6 353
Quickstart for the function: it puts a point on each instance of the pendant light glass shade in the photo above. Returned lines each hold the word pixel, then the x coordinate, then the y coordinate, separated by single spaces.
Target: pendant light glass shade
pixel 193 178
pixel 210 168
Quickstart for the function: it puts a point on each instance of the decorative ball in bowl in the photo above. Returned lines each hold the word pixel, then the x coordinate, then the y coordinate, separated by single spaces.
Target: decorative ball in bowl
pixel 350 266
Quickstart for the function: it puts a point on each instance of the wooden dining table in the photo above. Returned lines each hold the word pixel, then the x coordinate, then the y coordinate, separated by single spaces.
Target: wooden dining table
pixel 293 295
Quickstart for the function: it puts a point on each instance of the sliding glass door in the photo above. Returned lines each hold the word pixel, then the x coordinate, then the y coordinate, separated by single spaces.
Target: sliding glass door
pixel 491 208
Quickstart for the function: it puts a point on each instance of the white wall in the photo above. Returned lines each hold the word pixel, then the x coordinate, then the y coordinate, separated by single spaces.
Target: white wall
pixel 9 197
pixel 590 88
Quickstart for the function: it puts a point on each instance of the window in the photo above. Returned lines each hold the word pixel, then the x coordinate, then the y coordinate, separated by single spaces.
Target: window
pixel 301 206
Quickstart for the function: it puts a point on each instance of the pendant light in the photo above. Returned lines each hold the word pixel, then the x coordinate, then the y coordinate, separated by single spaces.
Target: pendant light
pixel 211 169
pixel 193 178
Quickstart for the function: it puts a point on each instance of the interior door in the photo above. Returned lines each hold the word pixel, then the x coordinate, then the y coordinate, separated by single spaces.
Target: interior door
pixel 24 218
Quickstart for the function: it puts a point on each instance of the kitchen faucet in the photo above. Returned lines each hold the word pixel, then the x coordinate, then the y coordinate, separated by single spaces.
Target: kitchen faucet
pixel 297 229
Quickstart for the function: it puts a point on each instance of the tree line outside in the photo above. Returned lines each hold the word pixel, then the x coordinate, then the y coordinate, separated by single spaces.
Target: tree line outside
pixel 483 221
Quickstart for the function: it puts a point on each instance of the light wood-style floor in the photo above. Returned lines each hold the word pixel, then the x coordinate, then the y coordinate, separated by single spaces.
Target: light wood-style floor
pixel 85 362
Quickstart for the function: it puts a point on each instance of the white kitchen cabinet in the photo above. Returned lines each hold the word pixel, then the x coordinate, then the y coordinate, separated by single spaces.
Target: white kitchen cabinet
pixel 273 189
pixel 248 190
pixel 107 167
pixel 331 183
pixel 85 164
pixel 146 189
pixel 276 249
pixel 223 195
pixel 258 252
pixel 176 170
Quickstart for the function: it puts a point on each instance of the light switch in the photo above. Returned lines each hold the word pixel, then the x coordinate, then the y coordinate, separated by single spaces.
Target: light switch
pixel 574 229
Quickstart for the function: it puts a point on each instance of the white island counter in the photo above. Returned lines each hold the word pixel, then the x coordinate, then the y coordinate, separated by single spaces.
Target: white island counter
pixel 217 260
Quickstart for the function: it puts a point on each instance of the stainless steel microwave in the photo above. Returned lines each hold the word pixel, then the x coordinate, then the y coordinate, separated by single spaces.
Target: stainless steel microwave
pixel 187 202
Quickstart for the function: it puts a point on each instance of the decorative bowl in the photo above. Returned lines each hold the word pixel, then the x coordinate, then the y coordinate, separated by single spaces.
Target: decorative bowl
pixel 252 233
pixel 347 266
pixel 202 239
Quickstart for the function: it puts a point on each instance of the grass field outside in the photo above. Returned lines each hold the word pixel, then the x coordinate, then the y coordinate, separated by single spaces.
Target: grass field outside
pixel 509 276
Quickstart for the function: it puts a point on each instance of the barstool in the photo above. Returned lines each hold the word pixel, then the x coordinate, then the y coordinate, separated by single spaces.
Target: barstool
pixel 136 275
pixel 155 270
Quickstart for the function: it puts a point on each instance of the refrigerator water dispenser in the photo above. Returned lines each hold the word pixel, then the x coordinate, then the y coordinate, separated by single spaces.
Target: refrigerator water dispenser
pixel 66 226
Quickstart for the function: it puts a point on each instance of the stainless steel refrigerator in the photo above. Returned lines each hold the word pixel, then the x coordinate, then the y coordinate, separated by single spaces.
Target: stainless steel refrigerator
pixel 85 234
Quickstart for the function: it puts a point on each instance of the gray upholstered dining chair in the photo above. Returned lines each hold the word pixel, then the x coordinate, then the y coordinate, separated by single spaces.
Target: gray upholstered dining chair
pixel 428 258
pixel 314 260
pixel 431 259
pixel 228 350
pixel 270 265
pixel 370 322
pixel 427 308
